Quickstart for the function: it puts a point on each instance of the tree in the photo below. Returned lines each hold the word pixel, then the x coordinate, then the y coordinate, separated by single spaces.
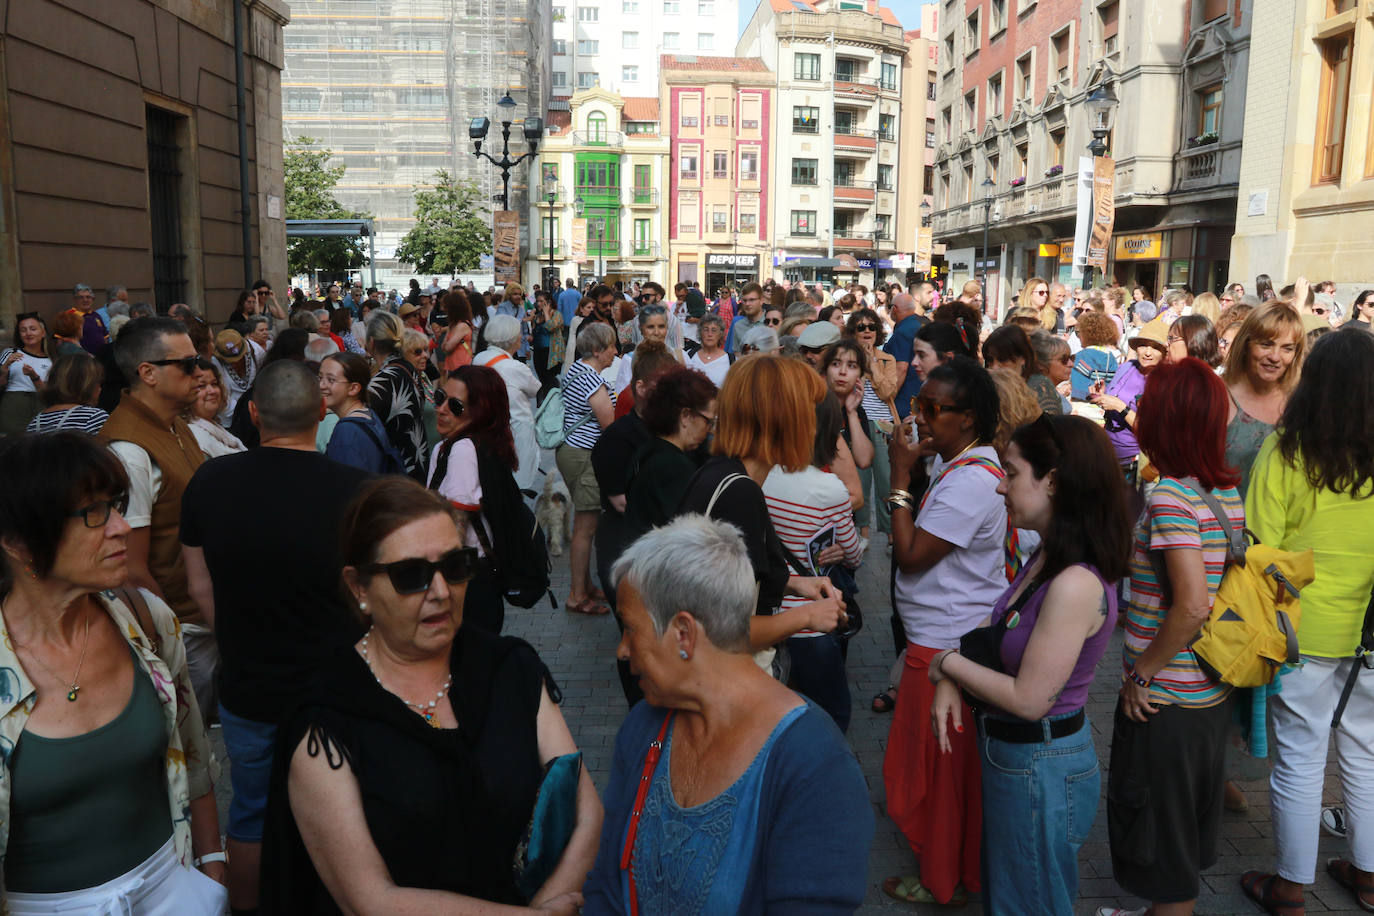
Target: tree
pixel 310 183
pixel 451 230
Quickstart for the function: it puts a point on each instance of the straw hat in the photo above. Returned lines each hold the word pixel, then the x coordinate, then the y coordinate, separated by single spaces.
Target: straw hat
pixel 1154 332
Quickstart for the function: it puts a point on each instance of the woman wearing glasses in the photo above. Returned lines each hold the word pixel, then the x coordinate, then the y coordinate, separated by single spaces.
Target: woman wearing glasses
pixel 881 383
pixel 26 367
pixel 106 789
pixel 419 755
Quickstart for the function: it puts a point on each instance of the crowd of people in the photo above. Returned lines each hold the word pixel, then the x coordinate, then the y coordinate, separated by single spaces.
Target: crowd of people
pixel 1029 486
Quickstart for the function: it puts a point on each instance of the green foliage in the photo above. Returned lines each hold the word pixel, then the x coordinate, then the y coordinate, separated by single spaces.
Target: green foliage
pixel 310 183
pixel 451 229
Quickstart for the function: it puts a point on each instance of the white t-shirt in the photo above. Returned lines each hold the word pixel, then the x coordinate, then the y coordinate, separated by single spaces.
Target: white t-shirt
pixel 145 481
pixel 461 485
pixel 522 385
pixel 952 597
pixel 714 370
pixel 18 378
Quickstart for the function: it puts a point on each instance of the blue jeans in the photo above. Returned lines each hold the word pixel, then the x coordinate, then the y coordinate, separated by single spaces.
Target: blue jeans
pixel 818 674
pixel 1039 802
pixel 251 746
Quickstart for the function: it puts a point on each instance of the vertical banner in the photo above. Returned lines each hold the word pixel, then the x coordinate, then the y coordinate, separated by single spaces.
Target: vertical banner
pixel 1104 212
pixel 1083 223
pixel 924 243
pixel 579 240
pixel 505 245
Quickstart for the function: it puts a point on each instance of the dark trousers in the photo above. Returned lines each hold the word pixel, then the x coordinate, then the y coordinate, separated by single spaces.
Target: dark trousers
pixel 818 673
pixel 548 377
pixel 484 606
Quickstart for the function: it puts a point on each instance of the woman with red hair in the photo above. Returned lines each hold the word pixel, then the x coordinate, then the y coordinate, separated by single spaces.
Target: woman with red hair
pixel 1169 737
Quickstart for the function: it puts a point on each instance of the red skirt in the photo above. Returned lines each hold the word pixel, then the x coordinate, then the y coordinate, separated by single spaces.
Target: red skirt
pixel 935 798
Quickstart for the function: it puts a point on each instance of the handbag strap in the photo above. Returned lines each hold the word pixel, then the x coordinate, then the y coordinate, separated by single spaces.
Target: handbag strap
pixel 646 778
pixel 1235 537
pixel 1364 658
pixel 720 488
pixel 133 599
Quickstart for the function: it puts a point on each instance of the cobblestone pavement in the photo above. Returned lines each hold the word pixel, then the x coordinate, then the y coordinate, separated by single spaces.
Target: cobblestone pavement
pixel 580 652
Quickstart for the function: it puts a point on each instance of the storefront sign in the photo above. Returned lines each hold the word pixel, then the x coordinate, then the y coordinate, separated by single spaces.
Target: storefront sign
pixel 924 239
pixel 1065 252
pixel 1147 246
pixel 579 239
pixel 1048 250
pixel 739 261
pixel 505 245
pixel 1104 212
pixel 898 262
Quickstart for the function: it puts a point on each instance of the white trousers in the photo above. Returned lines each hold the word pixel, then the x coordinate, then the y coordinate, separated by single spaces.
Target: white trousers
pixel 158 887
pixel 1302 713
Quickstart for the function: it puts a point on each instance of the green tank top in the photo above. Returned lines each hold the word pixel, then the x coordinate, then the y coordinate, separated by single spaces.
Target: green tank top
pixel 87 809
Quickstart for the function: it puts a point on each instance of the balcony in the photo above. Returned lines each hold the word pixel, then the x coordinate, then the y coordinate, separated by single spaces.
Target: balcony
pixel 854 86
pixel 603 248
pixel 555 247
pixel 560 196
pixel 855 191
pixel 850 239
pixel 1207 165
pixel 598 195
pixel 600 139
pixel 856 140
pixel 642 197
pixel 641 248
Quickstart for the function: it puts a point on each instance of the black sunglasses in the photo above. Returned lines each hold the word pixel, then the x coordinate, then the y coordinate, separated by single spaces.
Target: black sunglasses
pixel 97 513
pixel 187 364
pixel 415 574
pixel 455 406
pixel 860 328
pixel 772 321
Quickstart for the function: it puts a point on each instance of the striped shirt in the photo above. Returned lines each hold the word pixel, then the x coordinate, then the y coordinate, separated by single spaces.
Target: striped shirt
pixel 811 509
pixel 79 419
pixel 581 382
pixel 873 406
pixel 1176 518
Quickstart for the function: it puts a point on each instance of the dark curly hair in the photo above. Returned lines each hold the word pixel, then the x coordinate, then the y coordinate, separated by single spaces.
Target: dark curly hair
pixel 1329 420
pixel 488 412
pixel 972 386
pixel 863 314
pixel 675 391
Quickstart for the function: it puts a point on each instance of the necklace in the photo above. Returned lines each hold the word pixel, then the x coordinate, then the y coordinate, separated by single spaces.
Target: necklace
pixel 961 452
pixel 74 687
pixel 426 711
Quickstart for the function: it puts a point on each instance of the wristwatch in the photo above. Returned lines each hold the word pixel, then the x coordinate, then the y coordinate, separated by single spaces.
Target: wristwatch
pixel 220 856
pixel 1137 679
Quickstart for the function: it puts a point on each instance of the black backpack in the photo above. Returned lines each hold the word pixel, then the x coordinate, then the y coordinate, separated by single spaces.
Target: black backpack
pixel 516 552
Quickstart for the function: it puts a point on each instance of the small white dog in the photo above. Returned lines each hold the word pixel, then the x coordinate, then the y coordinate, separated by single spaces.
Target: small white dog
pixel 553 511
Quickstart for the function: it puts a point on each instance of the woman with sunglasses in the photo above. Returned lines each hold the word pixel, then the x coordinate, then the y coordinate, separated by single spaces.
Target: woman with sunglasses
pixel 880 385
pixel 106 784
pixel 653 327
pixel 25 367
pixel 413 766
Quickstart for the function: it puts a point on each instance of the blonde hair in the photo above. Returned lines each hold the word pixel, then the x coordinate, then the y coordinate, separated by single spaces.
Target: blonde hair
pixel 1271 321
pixel 1016 406
pixel 1207 305
pixel 384 331
pixel 412 338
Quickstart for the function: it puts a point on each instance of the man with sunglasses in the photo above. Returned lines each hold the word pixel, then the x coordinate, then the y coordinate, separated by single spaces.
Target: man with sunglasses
pixel 160 453
pixel 274 621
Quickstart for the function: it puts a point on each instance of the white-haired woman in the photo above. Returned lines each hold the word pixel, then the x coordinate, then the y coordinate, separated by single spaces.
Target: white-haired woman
pixel 504 337
pixel 712 360
pixel 653 326
pixel 752 800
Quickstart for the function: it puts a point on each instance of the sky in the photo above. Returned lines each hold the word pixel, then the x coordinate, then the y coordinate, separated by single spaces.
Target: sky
pixel 907 11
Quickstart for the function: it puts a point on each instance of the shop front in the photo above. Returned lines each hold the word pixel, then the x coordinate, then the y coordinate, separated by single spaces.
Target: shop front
pixel 733 270
pixel 1197 257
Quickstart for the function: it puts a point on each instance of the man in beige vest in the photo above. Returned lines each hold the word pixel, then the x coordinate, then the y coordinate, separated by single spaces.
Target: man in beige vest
pixel 160 454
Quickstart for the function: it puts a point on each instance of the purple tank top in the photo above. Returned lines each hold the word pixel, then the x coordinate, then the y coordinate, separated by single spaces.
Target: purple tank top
pixel 1075 692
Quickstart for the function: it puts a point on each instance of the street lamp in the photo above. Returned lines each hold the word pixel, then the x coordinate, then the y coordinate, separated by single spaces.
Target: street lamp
pixel 551 195
pixel 988 185
pixel 1101 104
pixel 533 129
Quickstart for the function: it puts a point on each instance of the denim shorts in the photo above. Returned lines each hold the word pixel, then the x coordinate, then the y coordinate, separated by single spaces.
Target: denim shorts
pixel 250 745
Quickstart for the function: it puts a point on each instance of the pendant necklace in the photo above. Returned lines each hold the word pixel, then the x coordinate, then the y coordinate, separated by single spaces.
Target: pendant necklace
pixel 74 687
pixel 425 711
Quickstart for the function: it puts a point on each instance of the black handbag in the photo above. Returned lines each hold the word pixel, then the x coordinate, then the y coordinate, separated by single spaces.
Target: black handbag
pixel 984 644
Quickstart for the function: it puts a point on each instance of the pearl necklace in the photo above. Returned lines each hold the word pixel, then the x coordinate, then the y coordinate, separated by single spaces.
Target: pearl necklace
pixel 425 710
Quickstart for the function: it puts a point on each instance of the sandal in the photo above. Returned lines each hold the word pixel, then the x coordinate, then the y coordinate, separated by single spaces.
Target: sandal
pixel 589 606
pixel 885 701
pixel 1259 887
pixel 1343 871
pixel 908 889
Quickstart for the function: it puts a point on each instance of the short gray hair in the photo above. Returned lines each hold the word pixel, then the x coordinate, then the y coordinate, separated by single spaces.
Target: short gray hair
pixel 112 292
pixel 593 338
pixel 306 320
pixel 714 321
pixel 1251 300
pixel 317 350
pixel 142 310
pixel 1175 295
pixel 650 311
pixel 80 288
pixel 503 331
pixel 117 307
pixel 697 565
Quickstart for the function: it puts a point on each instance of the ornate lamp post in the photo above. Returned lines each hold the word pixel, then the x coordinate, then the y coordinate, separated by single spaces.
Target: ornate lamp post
pixel 533 129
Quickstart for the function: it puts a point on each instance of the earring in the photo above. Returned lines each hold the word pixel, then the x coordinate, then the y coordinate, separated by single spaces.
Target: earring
pixel 362 606
pixel 682 654
pixel 32 573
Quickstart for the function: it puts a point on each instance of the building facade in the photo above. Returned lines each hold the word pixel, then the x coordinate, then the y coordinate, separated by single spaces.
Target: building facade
pixel 916 151
pixel 119 152
pixel 1306 201
pixel 838 66
pixel 719 112
pixel 604 161
pixel 616 44
pixel 390 88
pixel 1012 124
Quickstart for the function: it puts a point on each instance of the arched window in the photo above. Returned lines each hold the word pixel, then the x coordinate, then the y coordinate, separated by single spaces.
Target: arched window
pixel 596 127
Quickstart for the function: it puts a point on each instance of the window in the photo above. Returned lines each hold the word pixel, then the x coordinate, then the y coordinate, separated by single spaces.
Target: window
pixel 706 8
pixel 806 66
pixel 548 236
pixel 994 94
pixel 948 54
pixel 1057 147
pixel 748 222
pixel 670 7
pixel 421 98
pixel 720 165
pixel 884 177
pixel 722 120
pixel 749 124
pixel 629 73
pixel 586 80
pixel 706 41
pixel 596 127
pixel 560 79
pixel 803 222
pixel 629 40
pixel 1063 62
pixel 642 243
pixel 1215 9
pixel 687 166
pixel 357 100
pixel 806 119
pixel 589 14
pixel 670 40
pixel 1107 19
pixel 629 6
pixel 887 126
pixel 1332 106
pixel 356 42
pixel 997 16
pixel 588 47
pixel 884 223
pixel 929 183
pixel 560 13
pixel 642 178
pixel 970 110
pixel 972 34
pixel 560 47
pixel 947 124
pixel 1209 110
pixel 1022 160
pixel 805 171
pixel 994 164
pixel 888 80
pixel 720 220
pixel 844 121
pixel 1025 79
pixel 930 90
pixel 968 184
pixel 749 165
pixel 844 173
pixel 1341 6
pixel 930 133
pixel 165 132
pixel 302 100
pixel 847 68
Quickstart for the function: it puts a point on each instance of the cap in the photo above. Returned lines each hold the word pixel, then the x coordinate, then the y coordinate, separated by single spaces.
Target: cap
pixel 229 346
pixel 818 335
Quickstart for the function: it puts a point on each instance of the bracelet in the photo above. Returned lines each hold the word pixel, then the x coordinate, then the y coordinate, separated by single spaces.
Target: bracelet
pixel 901 502
pixel 209 857
pixel 1137 679
pixel 940 665
pixel 897 492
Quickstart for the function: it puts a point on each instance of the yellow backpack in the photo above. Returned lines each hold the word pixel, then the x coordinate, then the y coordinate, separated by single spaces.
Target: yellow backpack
pixel 1252 631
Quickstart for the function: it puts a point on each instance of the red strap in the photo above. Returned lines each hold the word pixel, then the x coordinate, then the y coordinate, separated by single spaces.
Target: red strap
pixel 645 780
pixel 493 362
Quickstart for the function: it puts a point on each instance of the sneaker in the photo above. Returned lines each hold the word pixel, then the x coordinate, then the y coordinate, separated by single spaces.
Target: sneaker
pixel 1333 822
pixel 1113 911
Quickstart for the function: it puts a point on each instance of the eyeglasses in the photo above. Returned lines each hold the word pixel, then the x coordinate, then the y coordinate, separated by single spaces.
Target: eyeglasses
pixel 710 421
pixel 1227 299
pixel 1173 339
pixel 415 574
pixel 187 364
pixel 97 514
pixel 1318 310
pixel 772 322
pixel 1040 292
pixel 1066 359
pixel 932 411
pixel 860 328
pixel 455 406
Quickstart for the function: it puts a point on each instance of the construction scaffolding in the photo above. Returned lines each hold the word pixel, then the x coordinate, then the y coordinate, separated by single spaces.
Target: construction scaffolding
pixel 389 86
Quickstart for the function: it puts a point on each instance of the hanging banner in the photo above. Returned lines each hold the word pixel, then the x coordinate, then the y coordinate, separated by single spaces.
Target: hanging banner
pixel 579 239
pixel 924 239
pixel 1104 212
pixel 505 245
pixel 1083 224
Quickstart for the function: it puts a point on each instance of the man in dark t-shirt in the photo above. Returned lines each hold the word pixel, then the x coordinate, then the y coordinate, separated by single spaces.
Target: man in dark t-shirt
pixel 267 580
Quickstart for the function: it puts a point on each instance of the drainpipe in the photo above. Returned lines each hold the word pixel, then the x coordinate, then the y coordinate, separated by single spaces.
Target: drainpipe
pixel 245 207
